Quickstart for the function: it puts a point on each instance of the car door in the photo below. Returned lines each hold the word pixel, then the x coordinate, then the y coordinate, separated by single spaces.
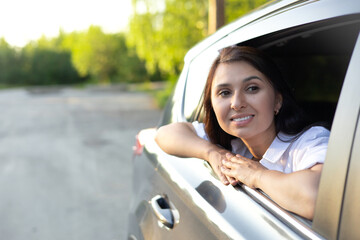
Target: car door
pixel 328 63
pixel 176 198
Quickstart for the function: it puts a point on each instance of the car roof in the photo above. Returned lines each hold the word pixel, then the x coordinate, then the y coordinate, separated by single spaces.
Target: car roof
pixel 280 9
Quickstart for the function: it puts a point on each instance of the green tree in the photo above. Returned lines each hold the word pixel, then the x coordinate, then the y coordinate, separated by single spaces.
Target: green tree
pixel 164 34
pixel 10 64
pixel 129 67
pixel 104 57
pixel 44 65
pixel 72 58
pixel 237 8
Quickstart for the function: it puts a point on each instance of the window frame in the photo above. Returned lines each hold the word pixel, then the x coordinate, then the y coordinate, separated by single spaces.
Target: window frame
pixel 329 206
pixel 325 220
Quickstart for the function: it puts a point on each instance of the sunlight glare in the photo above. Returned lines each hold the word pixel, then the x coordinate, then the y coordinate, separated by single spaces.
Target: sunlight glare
pixel 24 20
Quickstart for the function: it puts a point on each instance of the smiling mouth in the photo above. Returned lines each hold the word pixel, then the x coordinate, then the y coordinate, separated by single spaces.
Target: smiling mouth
pixel 242 119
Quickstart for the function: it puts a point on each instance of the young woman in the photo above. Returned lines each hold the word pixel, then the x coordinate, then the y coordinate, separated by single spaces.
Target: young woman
pixel 253 132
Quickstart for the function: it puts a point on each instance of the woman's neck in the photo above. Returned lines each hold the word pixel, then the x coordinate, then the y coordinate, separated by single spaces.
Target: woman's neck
pixel 259 145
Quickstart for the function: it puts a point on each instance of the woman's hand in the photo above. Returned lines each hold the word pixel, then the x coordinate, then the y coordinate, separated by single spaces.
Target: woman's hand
pixel 216 158
pixel 295 191
pixel 242 169
pixel 169 136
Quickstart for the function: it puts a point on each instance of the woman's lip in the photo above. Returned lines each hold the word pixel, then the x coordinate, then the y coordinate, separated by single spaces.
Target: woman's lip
pixel 239 118
pixel 242 120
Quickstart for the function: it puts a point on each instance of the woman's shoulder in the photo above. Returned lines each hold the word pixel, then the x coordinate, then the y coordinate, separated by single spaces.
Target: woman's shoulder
pixel 309 148
pixel 315 132
pixel 200 130
pixel 314 136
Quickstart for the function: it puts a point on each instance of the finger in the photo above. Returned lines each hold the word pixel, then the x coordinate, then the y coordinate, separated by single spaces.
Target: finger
pixel 238 156
pixel 231 164
pixel 238 159
pixel 223 178
pixel 226 179
pixel 226 163
pixel 228 156
pixel 226 182
pixel 227 172
pixel 233 181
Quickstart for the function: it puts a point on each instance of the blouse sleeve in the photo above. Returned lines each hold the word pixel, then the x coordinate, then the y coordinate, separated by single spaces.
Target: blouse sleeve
pixel 311 148
pixel 200 130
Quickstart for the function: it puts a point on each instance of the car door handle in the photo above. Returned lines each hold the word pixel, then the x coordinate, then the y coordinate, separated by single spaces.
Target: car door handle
pixel 165 211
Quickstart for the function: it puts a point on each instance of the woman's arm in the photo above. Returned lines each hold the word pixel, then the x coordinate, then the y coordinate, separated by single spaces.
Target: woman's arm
pixel 180 139
pixel 295 191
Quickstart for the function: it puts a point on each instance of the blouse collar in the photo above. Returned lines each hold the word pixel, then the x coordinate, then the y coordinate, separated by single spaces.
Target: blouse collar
pixel 278 147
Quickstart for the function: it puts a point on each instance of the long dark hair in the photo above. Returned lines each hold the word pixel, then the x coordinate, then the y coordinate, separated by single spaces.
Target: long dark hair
pixel 290 118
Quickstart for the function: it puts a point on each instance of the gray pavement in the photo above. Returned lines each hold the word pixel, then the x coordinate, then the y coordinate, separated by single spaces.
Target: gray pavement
pixel 65 161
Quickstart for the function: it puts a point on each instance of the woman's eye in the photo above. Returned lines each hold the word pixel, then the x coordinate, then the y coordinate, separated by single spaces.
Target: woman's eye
pixel 252 88
pixel 224 93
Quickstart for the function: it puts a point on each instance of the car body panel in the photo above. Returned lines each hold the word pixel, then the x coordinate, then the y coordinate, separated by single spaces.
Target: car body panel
pixel 216 216
pixel 351 207
pixel 333 179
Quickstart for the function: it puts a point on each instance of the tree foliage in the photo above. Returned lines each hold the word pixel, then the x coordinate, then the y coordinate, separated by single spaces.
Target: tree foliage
pixel 237 8
pixel 44 65
pixel 104 57
pixel 9 64
pixel 72 58
pixel 162 34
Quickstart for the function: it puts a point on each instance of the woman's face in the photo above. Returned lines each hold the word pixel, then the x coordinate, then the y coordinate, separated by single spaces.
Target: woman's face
pixel 244 101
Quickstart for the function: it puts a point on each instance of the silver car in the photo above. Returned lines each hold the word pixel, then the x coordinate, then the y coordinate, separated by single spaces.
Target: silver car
pixel 317 46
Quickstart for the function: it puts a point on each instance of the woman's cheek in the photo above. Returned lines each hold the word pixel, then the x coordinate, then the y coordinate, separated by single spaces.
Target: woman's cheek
pixel 221 109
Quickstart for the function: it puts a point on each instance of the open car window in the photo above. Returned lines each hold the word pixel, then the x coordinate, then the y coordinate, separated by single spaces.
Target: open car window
pixel 313 58
pixel 198 72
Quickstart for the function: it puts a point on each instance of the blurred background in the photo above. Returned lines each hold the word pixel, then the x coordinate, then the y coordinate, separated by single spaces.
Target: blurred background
pixel 81 42
pixel 78 80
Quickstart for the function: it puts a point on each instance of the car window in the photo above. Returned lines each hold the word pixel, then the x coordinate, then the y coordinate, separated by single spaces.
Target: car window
pixel 197 75
pixel 314 63
pixel 313 59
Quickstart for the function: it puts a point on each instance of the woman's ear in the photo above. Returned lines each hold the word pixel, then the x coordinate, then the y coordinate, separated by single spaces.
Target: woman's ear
pixel 278 102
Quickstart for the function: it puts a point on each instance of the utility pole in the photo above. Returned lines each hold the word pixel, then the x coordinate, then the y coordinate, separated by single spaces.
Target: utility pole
pixel 216 15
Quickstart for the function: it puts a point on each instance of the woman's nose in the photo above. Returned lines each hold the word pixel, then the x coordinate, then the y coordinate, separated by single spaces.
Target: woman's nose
pixel 237 102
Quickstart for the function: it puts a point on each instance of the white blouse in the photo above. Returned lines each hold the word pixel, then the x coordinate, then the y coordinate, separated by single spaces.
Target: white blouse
pixel 285 156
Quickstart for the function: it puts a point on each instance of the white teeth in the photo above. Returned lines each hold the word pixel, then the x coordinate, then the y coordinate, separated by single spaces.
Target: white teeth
pixel 241 119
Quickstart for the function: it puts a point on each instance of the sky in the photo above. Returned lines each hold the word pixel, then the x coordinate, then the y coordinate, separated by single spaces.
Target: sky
pixel 24 20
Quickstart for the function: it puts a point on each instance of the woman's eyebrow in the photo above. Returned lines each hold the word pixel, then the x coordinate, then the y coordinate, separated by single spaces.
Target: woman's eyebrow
pixel 223 85
pixel 226 85
pixel 251 78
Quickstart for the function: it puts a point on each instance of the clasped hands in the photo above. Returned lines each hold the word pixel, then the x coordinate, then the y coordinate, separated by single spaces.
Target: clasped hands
pixel 233 169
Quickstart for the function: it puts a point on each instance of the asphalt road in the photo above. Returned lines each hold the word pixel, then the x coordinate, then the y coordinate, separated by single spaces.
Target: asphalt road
pixel 65 161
